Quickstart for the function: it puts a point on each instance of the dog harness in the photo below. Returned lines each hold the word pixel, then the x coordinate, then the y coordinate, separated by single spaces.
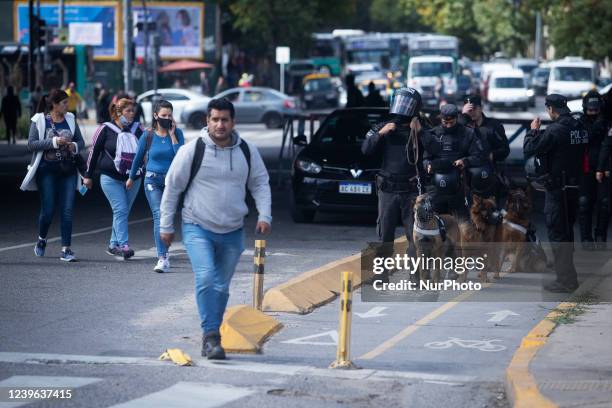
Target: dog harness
pixel 441 230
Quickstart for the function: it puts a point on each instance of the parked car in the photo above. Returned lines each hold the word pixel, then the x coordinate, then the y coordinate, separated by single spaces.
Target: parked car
pixel 189 107
pixel 508 89
pixel 319 91
pixel 330 174
pixel 260 105
pixel 539 80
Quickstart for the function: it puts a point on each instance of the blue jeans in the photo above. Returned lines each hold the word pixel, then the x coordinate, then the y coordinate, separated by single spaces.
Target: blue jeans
pixel 213 259
pixel 154 188
pixel 54 187
pixel 121 200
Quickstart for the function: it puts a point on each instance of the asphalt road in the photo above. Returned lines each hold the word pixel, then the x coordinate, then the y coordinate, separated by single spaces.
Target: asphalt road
pixel 98 326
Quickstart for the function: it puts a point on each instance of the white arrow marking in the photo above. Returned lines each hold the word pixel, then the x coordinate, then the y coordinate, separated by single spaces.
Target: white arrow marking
pixel 302 340
pixel 373 312
pixel 501 315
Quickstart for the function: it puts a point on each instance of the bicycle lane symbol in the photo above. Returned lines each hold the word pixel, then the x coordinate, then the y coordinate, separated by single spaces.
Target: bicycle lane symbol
pixel 482 345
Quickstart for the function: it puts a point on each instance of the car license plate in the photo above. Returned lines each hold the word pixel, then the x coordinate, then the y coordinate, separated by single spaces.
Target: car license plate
pixel 355 188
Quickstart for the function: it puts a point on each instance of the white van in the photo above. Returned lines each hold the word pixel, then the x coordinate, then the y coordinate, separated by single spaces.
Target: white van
pixel 508 89
pixel 424 72
pixel 572 76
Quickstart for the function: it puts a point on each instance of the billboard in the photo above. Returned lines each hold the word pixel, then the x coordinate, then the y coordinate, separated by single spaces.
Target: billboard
pixel 180 27
pixel 105 14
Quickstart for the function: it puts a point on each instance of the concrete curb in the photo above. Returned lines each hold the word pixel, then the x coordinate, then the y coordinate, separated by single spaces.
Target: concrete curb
pixel 245 330
pixel 317 287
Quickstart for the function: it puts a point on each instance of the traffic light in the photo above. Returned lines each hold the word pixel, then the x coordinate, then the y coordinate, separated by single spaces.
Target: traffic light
pixel 40 32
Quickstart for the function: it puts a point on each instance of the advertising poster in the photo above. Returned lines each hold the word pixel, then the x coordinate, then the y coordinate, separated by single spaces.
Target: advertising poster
pixel 106 14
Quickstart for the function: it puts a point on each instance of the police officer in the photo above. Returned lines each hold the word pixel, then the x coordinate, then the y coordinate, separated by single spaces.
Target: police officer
pixel 397 181
pixel 593 195
pixel 449 149
pixel 493 136
pixel 561 146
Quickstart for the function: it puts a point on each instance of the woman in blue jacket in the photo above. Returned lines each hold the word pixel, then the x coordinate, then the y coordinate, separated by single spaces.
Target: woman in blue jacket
pixel 160 145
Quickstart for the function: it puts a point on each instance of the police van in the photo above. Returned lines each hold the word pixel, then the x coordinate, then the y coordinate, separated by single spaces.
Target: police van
pixel 572 76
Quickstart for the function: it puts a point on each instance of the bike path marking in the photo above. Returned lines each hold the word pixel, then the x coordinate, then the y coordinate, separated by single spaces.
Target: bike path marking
pixel 482 345
pixel 308 339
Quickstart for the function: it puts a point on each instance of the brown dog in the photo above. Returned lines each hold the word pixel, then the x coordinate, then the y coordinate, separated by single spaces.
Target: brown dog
pixel 479 235
pixel 522 254
pixel 434 236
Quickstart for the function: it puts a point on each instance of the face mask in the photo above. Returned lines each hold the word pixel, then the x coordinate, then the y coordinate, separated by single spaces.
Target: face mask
pixel 165 123
pixel 123 120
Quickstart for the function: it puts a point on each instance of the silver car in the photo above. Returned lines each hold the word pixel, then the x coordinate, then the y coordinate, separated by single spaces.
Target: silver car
pixel 260 105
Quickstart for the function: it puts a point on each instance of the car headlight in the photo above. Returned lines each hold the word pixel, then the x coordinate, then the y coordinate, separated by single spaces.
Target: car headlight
pixel 530 93
pixel 308 166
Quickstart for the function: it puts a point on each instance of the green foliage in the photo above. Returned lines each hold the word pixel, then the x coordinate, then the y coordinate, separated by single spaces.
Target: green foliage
pixel 391 16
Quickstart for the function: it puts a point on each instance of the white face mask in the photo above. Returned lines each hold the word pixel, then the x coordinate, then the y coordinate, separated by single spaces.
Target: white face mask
pixel 123 120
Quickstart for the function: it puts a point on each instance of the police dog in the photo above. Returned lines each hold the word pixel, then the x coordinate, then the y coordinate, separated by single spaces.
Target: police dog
pixel 434 236
pixel 517 235
pixel 482 227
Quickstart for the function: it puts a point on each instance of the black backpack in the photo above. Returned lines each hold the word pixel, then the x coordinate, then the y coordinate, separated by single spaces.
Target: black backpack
pixel 198 156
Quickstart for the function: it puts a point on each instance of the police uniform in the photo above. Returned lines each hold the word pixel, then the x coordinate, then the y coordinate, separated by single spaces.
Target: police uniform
pixel 442 147
pixel 397 182
pixel 561 146
pixel 594 196
pixel 495 143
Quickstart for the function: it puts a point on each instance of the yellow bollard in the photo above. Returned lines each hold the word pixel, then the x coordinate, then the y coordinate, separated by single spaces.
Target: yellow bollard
pixel 343 358
pixel 258 273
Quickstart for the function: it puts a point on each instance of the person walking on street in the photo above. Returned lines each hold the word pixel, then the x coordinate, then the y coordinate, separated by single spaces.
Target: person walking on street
pixel 211 174
pixel 74 99
pixel 160 144
pixel 354 97
pixel 113 149
pixel 10 112
pixel 561 147
pixel 374 100
pixel 55 141
pixel 102 106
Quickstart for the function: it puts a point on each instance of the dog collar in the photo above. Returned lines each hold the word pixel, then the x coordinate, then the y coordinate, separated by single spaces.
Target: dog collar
pixel 516 226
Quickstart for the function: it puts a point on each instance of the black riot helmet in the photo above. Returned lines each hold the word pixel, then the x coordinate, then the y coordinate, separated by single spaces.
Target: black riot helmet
pixel 537 172
pixel 592 100
pixel 406 102
pixel 482 179
pixel 447 183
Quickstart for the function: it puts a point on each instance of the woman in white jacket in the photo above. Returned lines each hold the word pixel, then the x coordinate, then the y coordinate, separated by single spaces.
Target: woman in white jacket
pixel 55 141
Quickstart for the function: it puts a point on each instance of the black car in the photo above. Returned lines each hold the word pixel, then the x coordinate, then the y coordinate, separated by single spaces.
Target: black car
pixel 330 173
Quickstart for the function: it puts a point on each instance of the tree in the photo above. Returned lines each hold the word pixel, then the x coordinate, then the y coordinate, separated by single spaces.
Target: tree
pixel 391 16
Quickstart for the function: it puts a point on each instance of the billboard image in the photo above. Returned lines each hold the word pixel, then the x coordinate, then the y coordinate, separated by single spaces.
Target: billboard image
pixel 105 14
pixel 180 28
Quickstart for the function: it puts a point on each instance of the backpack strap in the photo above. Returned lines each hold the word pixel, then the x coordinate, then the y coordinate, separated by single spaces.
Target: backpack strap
pixel 196 163
pixel 247 155
pixel 113 127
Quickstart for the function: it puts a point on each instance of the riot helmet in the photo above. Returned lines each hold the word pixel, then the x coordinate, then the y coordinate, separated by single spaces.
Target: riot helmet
pixel 406 102
pixel 482 179
pixel 592 101
pixel 447 183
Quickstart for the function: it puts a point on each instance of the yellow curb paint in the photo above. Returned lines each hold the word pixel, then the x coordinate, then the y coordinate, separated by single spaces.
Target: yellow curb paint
pixel 521 385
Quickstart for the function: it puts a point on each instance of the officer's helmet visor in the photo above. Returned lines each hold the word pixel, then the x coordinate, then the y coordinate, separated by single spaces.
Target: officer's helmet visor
pixel 404 104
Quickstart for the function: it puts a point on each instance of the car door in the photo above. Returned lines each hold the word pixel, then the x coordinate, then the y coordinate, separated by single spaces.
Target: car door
pixel 178 101
pixel 253 106
pixel 147 107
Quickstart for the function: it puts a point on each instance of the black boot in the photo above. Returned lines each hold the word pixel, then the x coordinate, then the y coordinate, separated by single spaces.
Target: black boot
pixel 211 346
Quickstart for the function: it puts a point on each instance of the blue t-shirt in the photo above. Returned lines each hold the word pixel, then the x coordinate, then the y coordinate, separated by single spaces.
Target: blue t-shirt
pixel 161 153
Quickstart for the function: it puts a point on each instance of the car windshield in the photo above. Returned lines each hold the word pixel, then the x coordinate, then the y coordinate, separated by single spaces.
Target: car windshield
pixel 429 69
pixel 464 81
pixel 347 128
pixel 573 74
pixel 322 84
pixel 543 73
pixel 510 83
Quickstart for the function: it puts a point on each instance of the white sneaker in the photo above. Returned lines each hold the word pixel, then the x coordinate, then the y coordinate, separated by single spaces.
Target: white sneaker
pixel 161 267
pixel 167 262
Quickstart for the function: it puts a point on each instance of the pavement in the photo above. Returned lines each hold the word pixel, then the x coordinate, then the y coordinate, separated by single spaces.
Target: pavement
pixel 574 367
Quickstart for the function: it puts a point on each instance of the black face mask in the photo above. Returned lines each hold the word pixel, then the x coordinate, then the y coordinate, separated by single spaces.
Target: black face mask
pixel 165 123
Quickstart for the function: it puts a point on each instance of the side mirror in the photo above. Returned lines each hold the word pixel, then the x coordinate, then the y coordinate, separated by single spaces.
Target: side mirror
pixel 300 140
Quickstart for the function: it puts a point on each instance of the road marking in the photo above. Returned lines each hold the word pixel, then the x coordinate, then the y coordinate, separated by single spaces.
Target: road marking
pixel 189 395
pixel 373 312
pixel 231 364
pixel 482 345
pixel 42 381
pixel 301 340
pixel 413 327
pixel 80 234
pixel 501 315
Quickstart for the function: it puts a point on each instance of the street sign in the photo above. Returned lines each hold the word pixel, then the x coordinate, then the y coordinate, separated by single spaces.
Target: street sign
pixel 282 55
pixel 85 33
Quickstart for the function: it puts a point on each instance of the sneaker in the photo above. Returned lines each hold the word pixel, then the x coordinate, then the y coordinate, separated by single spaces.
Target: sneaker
pixel 115 251
pixel 127 252
pixel 161 267
pixel 39 248
pixel 211 347
pixel 68 256
pixel 556 287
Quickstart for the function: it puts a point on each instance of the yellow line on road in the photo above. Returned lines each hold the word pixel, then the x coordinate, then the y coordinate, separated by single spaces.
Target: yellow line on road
pixel 421 322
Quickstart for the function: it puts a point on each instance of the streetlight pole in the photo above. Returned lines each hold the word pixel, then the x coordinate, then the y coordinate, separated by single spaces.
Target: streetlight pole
pixel 61 14
pixel 127 45
pixel 538 36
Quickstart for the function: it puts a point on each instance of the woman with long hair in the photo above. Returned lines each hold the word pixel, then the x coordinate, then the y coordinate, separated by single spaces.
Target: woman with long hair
pixel 114 147
pixel 160 145
pixel 55 141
